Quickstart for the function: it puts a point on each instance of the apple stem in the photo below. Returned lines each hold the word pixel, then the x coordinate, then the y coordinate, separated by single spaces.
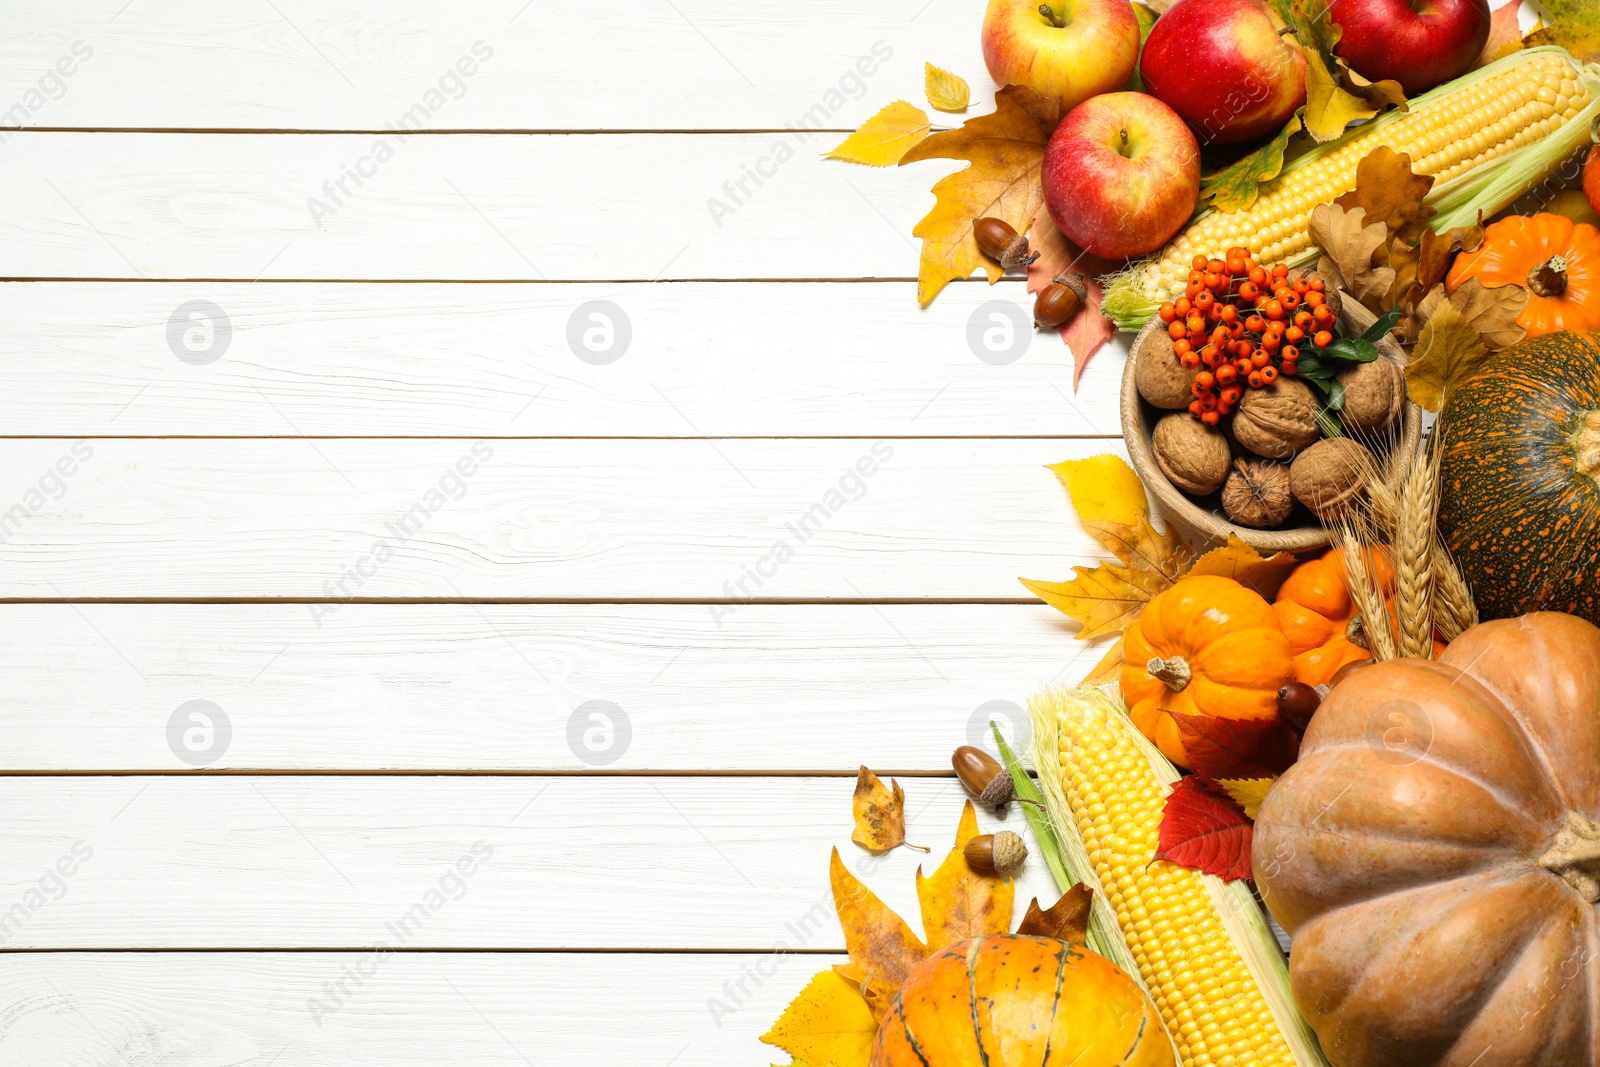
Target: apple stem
pixel 1124 149
pixel 1053 18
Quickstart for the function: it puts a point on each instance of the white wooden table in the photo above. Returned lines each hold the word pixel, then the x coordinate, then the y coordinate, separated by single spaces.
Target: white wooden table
pixel 400 664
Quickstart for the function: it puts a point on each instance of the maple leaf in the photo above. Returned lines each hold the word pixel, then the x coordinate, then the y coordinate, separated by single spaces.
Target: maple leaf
pixel 1505 36
pixel 1246 566
pixel 959 902
pixel 1109 669
pixel 1236 748
pixel 1065 920
pixel 1236 186
pixel 1086 331
pixel 1205 832
pixel 1448 352
pixel 1572 24
pixel 1392 193
pixel 878 941
pixel 830 1022
pixel 1103 599
pixel 1005 149
pixel 1248 793
pixel 946 91
pixel 1350 243
pixel 880 813
pixel 885 138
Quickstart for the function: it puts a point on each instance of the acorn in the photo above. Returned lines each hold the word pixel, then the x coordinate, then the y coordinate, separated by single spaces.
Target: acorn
pixel 1000 853
pixel 1000 241
pixel 1059 301
pixel 1297 702
pixel 984 778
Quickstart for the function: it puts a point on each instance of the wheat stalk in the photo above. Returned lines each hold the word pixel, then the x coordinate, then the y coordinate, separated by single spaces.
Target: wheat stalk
pixel 1415 533
pixel 1365 592
pixel 1454 610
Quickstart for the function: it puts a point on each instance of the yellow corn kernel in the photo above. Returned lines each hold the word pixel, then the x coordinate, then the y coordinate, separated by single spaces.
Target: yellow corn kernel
pixel 1207 997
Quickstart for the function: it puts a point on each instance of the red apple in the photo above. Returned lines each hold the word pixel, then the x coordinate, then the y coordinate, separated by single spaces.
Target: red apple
pixel 1082 48
pixel 1222 65
pixel 1418 43
pixel 1121 175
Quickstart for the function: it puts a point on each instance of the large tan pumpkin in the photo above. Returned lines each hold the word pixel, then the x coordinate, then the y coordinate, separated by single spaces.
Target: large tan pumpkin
pixel 1436 856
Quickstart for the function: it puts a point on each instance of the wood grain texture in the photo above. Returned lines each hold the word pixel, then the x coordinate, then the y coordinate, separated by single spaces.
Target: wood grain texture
pixel 298 64
pixel 724 359
pixel 470 687
pixel 537 207
pixel 633 520
pixel 349 862
pixel 409 1010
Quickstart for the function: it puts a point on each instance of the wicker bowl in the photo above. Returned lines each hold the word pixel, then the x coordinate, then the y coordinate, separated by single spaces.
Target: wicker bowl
pixel 1302 532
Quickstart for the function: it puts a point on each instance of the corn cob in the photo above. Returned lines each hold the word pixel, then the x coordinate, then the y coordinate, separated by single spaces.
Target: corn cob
pixel 1202 947
pixel 1485 138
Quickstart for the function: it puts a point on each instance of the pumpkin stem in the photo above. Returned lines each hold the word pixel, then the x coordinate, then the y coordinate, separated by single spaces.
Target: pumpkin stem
pixel 1574 856
pixel 1174 673
pixel 1355 631
pixel 1549 278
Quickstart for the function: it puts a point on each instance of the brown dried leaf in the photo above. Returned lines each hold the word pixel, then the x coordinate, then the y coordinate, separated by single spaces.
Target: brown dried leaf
pixel 880 813
pixel 1492 312
pixel 1066 920
pixel 1350 243
pixel 1448 352
pixel 1391 193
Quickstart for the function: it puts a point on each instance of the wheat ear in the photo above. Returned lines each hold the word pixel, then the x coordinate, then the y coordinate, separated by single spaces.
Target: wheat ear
pixel 1368 597
pixel 1454 610
pixel 1414 535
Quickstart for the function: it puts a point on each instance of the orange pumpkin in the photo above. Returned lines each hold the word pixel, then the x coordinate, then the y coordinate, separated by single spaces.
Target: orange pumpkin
pixel 1436 855
pixel 1020 1001
pixel 1206 646
pixel 1320 618
pixel 1555 259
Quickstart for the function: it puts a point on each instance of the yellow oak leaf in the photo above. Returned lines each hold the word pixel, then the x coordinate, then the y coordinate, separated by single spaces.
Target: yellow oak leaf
pixel 1492 312
pixel 880 813
pixel 884 138
pixel 959 902
pixel 1574 25
pixel 946 91
pixel 1005 149
pixel 1246 566
pixel 1391 193
pixel 829 1024
pixel 1248 793
pixel 1448 352
pixel 878 941
pixel 1065 920
pixel 1330 108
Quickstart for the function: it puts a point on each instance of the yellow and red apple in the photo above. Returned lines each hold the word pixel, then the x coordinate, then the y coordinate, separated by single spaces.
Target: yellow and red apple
pixel 1121 175
pixel 1418 43
pixel 1222 66
pixel 1068 49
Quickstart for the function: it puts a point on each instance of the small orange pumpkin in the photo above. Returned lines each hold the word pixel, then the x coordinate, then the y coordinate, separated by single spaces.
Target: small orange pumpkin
pixel 1555 259
pixel 1206 646
pixel 1020 1001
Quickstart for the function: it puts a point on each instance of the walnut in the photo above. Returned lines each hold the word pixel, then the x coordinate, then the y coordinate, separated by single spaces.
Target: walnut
pixel 1257 493
pixel 1374 393
pixel 1192 455
pixel 1330 476
pixel 1160 377
pixel 1277 420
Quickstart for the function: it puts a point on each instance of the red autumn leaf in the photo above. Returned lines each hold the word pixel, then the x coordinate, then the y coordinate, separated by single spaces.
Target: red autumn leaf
pixel 1086 331
pixel 1202 830
pixel 1505 36
pixel 1236 748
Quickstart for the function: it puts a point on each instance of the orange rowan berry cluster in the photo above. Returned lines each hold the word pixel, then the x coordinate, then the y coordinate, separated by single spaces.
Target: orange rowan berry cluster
pixel 1245 324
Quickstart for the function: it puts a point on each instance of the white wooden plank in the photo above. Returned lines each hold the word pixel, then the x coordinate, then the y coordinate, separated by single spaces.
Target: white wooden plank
pixel 353 359
pixel 409 1010
pixel 340 862
pixel 684 64
pixel 538 207
pixel 733 519
pixel 440 686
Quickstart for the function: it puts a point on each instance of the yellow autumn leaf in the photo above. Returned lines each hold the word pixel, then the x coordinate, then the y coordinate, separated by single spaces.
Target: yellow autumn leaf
pixel 1005 149
pixel 1109 669
pixel 884 138
pixel 828 1024
pixel 1574 25
pixel 880 813
pixel 1103 599
pixel 1103 487
pixel 946 91
pixel 877 939
pixel 1447 353
pixel 1329 107
pixel 1248 793
pixel 1246 566
pixel 959 902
